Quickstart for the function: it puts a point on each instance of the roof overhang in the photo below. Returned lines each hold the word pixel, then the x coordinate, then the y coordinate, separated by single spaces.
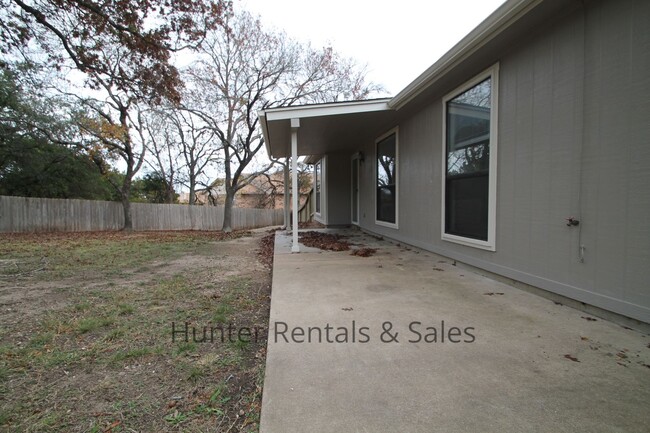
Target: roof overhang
pixel 499 20
pixel 332 127
pixel 311 159
pixel 513 22
pixel 349 125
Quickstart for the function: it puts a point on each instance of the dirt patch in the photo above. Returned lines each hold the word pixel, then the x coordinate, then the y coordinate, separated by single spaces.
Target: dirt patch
pixel 88 344
pixel 363 252
pixel 324 241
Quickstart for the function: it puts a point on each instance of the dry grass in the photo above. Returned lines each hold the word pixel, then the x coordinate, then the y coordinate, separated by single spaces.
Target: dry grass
pixel 87 343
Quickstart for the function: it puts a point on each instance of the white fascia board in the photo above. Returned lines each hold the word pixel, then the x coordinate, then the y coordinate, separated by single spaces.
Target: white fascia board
pixel 311 159
pixel 332 109
pixel 265 131
pixel 492 26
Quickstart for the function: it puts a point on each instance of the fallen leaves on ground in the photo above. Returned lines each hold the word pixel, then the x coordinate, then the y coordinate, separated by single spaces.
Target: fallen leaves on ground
pixel 363 252
pixel 267 247
pixel 310 225
pixel 324 241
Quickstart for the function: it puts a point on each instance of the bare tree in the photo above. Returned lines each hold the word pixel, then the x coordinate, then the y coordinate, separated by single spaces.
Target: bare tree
pixel 163 150
pixel 199 149
pixel 122 50
pixel 244 69
pixel 115 130
pixel 77 33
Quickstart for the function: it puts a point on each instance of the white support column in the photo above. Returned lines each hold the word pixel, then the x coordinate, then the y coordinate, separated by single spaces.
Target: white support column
pixel 295 124
pixel 287 201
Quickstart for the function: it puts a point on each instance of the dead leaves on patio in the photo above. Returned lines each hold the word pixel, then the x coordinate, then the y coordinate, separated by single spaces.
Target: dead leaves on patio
pixel 333 242
pixel 324 241
pixel 363 252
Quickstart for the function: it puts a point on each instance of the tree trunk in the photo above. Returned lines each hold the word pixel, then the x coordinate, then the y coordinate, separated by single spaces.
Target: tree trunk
pixel 192 192
pixel 227 211
pixel 170 193
pixel 126 205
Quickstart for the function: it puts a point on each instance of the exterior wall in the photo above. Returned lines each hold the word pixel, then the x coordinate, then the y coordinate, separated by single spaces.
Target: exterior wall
pixel 336 190
pixel 574 104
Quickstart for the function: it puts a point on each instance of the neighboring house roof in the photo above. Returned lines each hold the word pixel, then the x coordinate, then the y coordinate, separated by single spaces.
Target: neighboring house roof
pixel 359 121
pixel 262 184
pixel 265 184
pixel 270 185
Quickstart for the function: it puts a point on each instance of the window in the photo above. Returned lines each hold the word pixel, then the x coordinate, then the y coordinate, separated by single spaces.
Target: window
pixel 386 169
pixel 317 181
pixel 469 179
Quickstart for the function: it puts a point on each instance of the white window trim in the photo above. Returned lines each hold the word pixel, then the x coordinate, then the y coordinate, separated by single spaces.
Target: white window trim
pixel 394 225
pixel 356 157
pixel 490 244
pixel 318 206
pixel 321 216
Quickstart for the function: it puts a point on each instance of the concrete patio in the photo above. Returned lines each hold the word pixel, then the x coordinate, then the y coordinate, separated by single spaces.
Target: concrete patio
pixel 510 361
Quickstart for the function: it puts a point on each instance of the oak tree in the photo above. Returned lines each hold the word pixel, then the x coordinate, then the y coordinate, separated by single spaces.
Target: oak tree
pixel 123 50
pixel 243 68
pixel 78 32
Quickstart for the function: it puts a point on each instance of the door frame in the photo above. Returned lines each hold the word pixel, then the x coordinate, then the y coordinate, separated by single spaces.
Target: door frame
pixel 356 159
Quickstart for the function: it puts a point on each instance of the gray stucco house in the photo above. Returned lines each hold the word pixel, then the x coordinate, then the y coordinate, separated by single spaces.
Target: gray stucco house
pixel 524 151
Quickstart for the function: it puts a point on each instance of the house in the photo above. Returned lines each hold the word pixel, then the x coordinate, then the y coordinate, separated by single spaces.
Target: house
pixel 524 152
pixel 264 191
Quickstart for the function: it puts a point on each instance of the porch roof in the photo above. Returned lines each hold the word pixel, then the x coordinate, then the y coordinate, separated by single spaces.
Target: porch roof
pixel 343 126
pixel 324 127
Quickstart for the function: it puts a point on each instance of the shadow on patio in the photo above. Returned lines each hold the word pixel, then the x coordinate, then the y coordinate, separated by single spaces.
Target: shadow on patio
pixel 347 351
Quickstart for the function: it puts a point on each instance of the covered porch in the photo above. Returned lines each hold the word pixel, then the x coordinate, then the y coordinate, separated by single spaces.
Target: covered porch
pixel 338 131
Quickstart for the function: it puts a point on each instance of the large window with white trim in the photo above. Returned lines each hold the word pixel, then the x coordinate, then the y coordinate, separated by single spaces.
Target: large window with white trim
pixel 387 182
pixel 469 176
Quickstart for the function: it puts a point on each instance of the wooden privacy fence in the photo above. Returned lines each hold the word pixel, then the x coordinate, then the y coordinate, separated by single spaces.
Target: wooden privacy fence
pixel 306 212
pixel 27 214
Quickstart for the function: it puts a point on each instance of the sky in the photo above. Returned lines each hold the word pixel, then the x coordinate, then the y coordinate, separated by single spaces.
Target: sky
pixel 397 40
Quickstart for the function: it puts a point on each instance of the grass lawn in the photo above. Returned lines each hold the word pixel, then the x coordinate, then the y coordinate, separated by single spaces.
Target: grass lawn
pixel 86 342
